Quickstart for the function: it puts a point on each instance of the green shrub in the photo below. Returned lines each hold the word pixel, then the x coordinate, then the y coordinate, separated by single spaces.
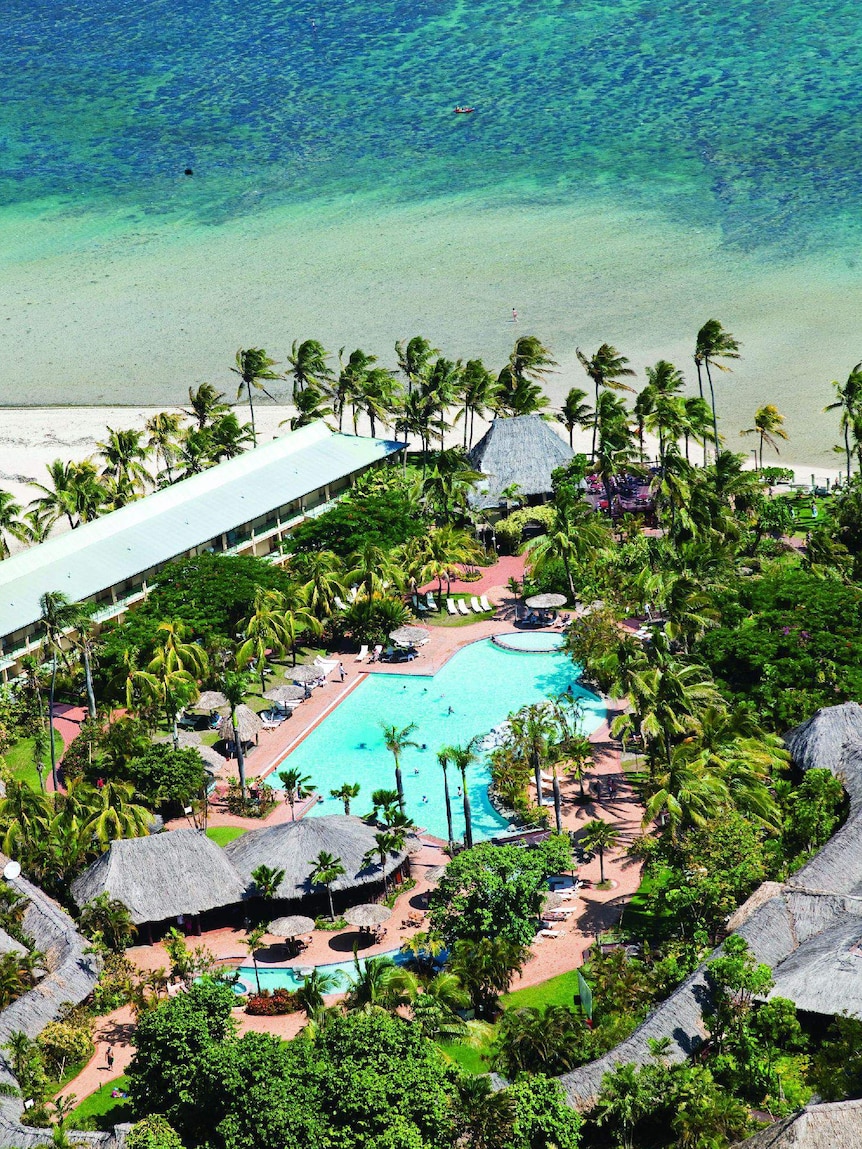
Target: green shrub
pixel 153 1133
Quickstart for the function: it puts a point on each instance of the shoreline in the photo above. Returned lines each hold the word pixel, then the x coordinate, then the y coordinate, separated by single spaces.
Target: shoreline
pixel 32 437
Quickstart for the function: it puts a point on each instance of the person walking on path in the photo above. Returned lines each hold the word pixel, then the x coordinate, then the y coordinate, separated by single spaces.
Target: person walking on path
pixel 109 1058
pixel 341 671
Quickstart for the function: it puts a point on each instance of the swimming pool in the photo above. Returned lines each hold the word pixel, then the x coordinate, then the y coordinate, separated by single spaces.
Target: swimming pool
pixel 287 977
pixel 532 641
pixel 476 689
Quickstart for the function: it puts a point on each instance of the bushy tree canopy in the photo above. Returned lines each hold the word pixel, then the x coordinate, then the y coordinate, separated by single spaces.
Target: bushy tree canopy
pixel 164 776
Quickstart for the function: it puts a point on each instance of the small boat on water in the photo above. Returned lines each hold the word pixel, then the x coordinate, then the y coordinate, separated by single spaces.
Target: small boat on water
pixel 459 111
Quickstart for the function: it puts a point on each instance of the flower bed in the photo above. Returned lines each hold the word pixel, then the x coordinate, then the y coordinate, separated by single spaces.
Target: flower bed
pixel 266 1004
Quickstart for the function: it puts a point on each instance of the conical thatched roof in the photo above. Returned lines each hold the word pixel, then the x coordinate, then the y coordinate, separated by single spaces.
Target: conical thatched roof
pixel 827 740
pixel 161 876
pixel 837 1125
pixel 523 450
pixel 212 760
pixel 247 721
pixel 368 914
pixel 294 846
pixel 210 700
pixel 289 693
pixel 186 739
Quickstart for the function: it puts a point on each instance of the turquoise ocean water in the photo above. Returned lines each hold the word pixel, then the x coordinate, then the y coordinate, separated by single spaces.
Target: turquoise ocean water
pixel 626 154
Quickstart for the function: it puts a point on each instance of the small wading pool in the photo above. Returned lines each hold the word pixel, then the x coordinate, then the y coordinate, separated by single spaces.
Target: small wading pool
pixel 477 689
pixel 287 977
pixel 530 641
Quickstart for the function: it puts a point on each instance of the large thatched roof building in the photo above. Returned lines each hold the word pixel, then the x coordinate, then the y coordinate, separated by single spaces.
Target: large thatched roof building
pixel 294 846
pixel 808 929
pixel 522 450
pixel 163 876
pixel 831 1126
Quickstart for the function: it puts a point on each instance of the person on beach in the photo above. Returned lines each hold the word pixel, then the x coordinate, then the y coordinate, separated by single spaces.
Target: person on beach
pixel 514 316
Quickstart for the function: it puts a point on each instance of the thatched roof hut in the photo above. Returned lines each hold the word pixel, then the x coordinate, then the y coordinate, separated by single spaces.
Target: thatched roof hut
pixel 521 450
pixel 827 1126
pixel 162 876
pixel 8 945
pixel 294 846
pixel 247 722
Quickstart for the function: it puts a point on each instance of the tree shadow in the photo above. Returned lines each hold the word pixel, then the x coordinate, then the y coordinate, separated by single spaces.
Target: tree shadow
pixel 344 943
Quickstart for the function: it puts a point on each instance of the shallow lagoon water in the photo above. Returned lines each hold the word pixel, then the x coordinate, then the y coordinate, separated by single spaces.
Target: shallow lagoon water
pixel 630 168
pixel 482 685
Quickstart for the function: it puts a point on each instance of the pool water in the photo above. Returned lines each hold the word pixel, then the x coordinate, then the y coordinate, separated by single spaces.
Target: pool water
pixel 287 977
pixel 477 689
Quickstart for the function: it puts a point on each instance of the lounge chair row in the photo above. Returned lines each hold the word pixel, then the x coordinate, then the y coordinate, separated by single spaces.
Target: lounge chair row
pixel 364 656
pixel 478 605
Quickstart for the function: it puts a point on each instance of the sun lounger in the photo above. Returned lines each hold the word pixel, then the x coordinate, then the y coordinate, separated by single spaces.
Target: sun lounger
pixel 462 606
pixel 474 603
pixel 375 654
pixel 551 933
pixel 429 598
pixel 450 606
pixel 363 654
pixel 484 603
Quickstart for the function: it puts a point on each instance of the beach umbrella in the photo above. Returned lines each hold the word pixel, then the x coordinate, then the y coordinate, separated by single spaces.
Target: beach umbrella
pixel 210 700
pixel 305 674
pixel 546 601
pixel 185 739
pixel 248 724
pixel 285 694
pixel 369 914
pixel 293 926
pixel 409 636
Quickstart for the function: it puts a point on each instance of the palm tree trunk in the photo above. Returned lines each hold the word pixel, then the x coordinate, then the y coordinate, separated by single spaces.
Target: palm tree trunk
pixel 399 784
pixel 537 773
pixel 569 578
pixel 714 415
pixel 468 820
pixel 595 424
pixel 88 679
pixel 331 906
pixel 251 412
pixel 51 723
pixel 256 974
pixel 240 757
pixel 847 448
pixel 601 864
pixel 557 812
pixel 448 810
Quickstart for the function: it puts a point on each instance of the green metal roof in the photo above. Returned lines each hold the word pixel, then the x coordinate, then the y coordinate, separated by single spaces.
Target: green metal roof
pixel 150 531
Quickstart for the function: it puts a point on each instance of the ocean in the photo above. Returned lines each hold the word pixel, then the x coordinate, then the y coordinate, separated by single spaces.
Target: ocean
pixel 630 170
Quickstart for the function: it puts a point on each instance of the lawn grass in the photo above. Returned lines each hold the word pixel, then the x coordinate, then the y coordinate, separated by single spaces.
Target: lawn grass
pixel 19 759
pixel 469 1057
pixel 221 835
pixel 559 990
pixel 101 1111
pixel 641 921
pixel 442 617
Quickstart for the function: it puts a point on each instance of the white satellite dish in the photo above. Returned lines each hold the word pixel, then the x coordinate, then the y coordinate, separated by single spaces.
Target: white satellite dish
pixel 11 871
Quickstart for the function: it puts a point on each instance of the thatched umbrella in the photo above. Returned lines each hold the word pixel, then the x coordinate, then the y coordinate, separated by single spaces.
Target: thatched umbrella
pixel 185 739
pixel 409 636
pixel 305 674
pixel 293 926
pixel 210 700
pixel 546 601
pixel 367 915
pixel 248 725
pixel 285 694
pixel 213 761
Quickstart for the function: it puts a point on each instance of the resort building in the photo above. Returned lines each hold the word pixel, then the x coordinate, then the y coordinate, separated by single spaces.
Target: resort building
pixel 245 505
pixel 520 454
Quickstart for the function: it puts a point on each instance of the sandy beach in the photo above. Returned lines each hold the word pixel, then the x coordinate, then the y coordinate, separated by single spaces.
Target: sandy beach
pixel 32 437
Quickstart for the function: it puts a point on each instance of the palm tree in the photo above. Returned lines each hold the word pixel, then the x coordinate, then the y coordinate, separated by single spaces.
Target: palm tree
pixel 534 728
pixel 253 939
pixel 319 573
pixel 574 536
pixel 848 403
pixel 713 343
pixel 227 437
pixel 666 416
pixel 485 969
pixel 264 629
pixel 574 412
pixel 397 739
pixel 206 404
pixel 58 615
pixel 607 368
pixel 254 368
pixel 379 984
pixel 163 430
pixel 479 394
pixel 74 490
pixel 386 842
pixel 10 523
pixel 123 455
pixel 314 985
pixel 295 785
pixel 177 664
pixel 686 793
pixel 110 813
pixel 697 422
pixel 769 425
pixel 267 880
pixel 599 836
pixel 375 396
pixel 519 384
pixel 444 757
pixel 307 362
pixel 462 758
pixel 346 793
pixel 326 870
pixel 414 360
pixel 234 686
pixel 311 405
pixel 348 386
